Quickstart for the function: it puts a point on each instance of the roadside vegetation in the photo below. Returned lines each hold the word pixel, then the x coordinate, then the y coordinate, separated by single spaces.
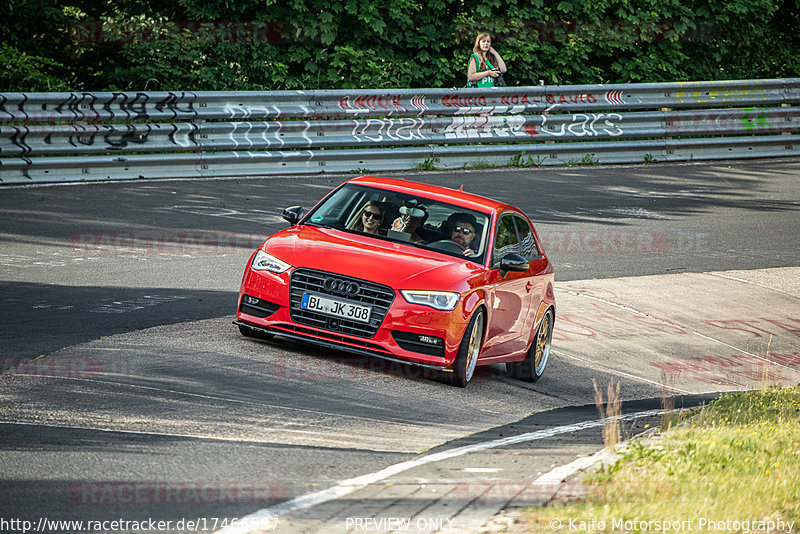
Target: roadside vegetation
pixel 737 459
pixel 193 45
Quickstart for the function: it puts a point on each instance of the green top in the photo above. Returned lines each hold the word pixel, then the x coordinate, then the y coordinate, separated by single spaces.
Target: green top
pixel 486 81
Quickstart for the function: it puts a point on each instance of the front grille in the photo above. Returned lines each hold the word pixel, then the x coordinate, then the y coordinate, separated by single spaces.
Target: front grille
pixel 378 296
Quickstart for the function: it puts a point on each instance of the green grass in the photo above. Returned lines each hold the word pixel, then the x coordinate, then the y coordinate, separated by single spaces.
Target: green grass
pixel 587 159
pixel 428 165
pixel 737 459
pixel 525 160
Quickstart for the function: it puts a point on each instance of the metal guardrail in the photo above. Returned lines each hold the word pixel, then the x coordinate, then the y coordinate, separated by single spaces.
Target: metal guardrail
pixel 100 136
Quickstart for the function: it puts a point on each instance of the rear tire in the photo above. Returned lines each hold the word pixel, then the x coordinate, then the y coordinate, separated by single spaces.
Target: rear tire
pixel 532 367
pixel 255 334
pixel 467 358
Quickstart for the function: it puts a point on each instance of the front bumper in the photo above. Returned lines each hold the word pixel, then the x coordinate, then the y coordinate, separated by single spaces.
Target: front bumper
pixel 407 333
pixel 340 345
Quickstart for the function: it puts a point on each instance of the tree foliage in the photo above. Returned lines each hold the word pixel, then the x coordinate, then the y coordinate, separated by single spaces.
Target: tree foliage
pixel 326 44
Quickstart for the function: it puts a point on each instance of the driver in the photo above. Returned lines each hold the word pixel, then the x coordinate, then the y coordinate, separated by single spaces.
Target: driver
pixel 462 231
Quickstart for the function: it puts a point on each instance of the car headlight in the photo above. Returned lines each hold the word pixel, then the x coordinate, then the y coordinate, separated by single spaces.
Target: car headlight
pixel 439 300
pixel 267 262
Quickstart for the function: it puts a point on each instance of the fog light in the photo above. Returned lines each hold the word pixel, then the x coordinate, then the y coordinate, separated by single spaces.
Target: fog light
pixel 430 340
pixel 250 300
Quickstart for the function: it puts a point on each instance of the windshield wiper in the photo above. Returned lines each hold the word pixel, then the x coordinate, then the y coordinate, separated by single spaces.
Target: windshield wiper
pixel 323 225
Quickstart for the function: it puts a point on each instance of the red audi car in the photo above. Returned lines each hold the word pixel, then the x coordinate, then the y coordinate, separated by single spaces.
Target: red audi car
pixel 409 272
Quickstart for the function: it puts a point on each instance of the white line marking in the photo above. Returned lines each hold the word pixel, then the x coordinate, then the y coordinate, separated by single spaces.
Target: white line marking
pixel 735 279
pixel 215 211
pixel 351 485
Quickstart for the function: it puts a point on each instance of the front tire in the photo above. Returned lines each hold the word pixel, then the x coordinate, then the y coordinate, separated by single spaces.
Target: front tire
pixel 467 358
pixel 532 367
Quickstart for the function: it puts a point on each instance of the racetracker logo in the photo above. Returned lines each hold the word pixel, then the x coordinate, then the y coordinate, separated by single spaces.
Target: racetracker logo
pixel 21 368
pixel 172 493
pixel 606 242
pixel 354 368
pixel 162 243
pixel 205 31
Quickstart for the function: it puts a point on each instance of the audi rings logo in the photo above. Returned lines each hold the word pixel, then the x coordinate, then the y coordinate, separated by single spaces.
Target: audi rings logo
pixel 341 287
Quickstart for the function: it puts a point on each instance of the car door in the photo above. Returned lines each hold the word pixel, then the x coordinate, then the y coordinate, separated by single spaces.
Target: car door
pixel 535 289
pixel 509 297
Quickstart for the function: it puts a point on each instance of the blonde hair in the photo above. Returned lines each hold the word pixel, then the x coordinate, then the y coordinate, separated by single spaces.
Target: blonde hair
pixel 478 52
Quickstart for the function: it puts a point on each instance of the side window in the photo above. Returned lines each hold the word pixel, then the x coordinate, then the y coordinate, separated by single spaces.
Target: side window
pixel 505 241
pixel 527 242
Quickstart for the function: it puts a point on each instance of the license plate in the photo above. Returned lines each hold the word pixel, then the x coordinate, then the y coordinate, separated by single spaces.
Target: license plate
pixel 336 308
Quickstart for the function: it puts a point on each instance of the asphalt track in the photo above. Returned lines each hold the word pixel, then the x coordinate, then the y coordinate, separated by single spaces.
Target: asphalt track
pixel 127 393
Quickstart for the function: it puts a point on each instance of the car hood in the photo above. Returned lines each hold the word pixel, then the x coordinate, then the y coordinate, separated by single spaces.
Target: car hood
pixel 394 264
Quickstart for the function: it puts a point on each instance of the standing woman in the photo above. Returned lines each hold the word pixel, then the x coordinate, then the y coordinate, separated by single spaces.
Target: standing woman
pixel 485 64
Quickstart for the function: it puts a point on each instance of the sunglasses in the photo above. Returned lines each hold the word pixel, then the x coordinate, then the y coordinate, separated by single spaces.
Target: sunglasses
pixel 465 231
pixel 371 215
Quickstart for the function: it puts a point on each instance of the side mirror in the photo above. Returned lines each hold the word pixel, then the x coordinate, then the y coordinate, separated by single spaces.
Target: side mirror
pixel 293 214
pixel 513 262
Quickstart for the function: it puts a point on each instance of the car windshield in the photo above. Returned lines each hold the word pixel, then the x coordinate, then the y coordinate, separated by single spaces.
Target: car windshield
pixel 412 219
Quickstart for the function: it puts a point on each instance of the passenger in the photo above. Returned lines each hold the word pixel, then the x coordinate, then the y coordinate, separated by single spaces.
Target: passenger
pixel 410 220
pixel 462 231
pixel 370 219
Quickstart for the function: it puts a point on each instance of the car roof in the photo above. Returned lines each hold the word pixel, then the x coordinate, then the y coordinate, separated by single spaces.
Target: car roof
pixel 435 192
